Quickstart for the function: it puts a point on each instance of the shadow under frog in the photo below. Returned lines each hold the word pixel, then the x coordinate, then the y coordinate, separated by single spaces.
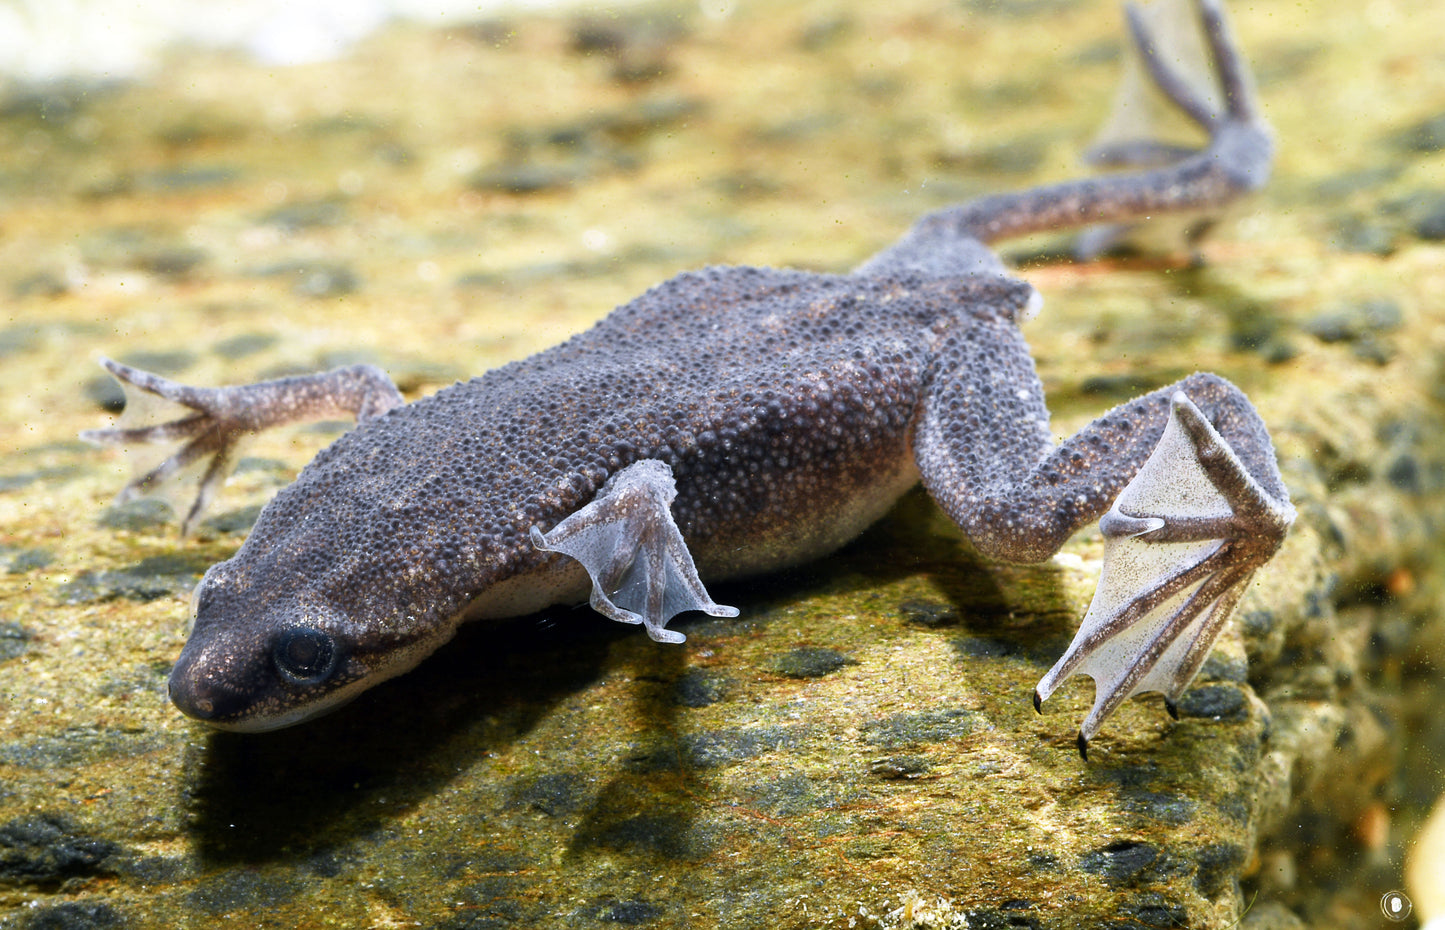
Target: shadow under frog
pixel 321 788
pixel 318 790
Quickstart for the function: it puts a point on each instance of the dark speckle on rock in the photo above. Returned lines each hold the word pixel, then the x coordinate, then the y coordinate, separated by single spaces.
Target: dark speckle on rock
pixel 654 757
pixel 331 428
pixel 17 560
pixel 983 647
pixel 75 915
pixel 1404 474
pixel 1217 865
pixel 1426 136
pixel 1165 808
pixel 1217 702
pixel 52 103
pixel 1039 651
pixel 531 178
pixel 44 850
pixel 638 47
pixel 171 261
pixel 699 687
pixel 313 214
pixel 1155 910
pixel 104 392
pixel 238 347
pixel 1221 667
pixel 186 179
pixel 928 614
pixel 1017 156
pixel 553 794
pixel 661 834
pixel 932 726
pixel 1252 325
pixel 14 640
pixel 1120 862
pixel 1428 217
pixel 1258 623
pixel 626 913
pixel 75 746
pixel 1368 235
pixel 490 903
pixel 18 337
pixel 1349 322
pixel 1000 919
pixel 146 515
pixel 788 796
pixel 315 279
pixel 12 483
pixel 253 464
pixel 823 30
pixel 899 767
pixel 172 362
pixel 232 521
pixel 242 890
pixel 38 284
pixel 809 662
pixel 1116 386
pixel 723 747
pixel 472 920
pixel 156 870
pixel 154 577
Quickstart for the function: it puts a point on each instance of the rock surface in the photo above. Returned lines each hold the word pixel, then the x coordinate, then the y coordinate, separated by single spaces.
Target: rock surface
pixel 858 749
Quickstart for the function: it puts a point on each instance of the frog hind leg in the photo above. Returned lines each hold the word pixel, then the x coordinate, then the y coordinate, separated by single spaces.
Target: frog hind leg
pixel 1182 541
pixel 1167 181
pixel 626 539
pixel 208 424
pixel 1187 474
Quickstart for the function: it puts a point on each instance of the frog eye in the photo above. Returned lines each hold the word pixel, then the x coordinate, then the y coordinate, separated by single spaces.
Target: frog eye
pixel 304 656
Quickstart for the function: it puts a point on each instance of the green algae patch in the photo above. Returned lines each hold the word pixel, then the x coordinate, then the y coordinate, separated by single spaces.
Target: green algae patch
pixel 859 748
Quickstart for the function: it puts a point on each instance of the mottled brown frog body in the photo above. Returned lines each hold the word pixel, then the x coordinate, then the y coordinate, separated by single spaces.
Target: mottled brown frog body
pixel 729 422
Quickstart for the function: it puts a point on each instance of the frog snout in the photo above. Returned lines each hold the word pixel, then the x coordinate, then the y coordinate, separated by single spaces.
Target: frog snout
pixel 205 693
pixel 205 700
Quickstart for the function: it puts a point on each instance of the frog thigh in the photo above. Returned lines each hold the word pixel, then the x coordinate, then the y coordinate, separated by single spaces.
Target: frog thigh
pixel 626 539
pixel 1198 504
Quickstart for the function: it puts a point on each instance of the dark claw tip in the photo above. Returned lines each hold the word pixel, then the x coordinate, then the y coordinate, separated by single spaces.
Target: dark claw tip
pixel 1038 703
pixel 1083 748
pixel 1172 708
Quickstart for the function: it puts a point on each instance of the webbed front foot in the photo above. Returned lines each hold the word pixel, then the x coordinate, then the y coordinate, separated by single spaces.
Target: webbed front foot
pixel 626 539
pixel 1182 541
pixel 208 424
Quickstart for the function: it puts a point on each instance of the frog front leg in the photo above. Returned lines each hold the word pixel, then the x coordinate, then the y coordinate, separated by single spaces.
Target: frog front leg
pixel 1198 505
pixel 209 423
pixel 626 539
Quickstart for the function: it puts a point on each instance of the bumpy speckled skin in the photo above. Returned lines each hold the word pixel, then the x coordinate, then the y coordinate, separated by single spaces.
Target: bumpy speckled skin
pixel 792 409
pixel 788 429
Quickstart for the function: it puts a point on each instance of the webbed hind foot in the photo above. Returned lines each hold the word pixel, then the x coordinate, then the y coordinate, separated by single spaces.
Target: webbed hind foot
pixel 1182 541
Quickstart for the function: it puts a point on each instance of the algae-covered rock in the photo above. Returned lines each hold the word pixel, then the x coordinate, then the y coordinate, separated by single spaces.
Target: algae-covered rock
pixel 859 748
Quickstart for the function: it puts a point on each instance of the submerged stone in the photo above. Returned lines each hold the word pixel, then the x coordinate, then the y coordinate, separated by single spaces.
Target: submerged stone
pixel 43 850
